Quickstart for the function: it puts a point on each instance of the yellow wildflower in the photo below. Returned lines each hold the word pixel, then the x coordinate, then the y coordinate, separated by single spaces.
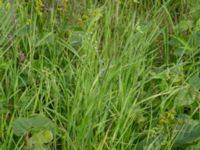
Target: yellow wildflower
pixel 39 7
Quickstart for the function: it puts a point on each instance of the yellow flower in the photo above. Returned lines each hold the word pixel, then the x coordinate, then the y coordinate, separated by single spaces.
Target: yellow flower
pixel 167 118
pixel 65 4
pixel 84 18
pixel 97 12
pixel 62 5
pixel 39 7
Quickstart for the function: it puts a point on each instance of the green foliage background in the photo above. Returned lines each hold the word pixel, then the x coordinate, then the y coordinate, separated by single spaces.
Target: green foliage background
pixel 109 74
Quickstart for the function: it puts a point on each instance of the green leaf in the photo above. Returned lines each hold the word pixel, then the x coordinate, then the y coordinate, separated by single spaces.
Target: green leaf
pixel 22 126
pixel 75 39
pixel 42 137
pixel 23 31
pixel 194 81
pixel 184 25
pixel 136 1
pixel 39 147
pixel 184 45
pixel 3 105
pixel 151 143
pixel 184 98
pixel 186 134
pixel 197 26
pixel 40 121
pixel 47 37
pixel 34 147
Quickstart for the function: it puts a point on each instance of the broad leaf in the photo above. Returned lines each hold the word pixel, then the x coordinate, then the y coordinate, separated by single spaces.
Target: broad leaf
pixel 42 137
pixel 21 126
pixel 75 39
pixel 40 121
pixel 194 81
pixel 188 133
pixel 184 98
pixel 151 143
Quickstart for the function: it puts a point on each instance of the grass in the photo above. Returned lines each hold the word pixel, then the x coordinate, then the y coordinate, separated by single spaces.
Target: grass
pixel 109 74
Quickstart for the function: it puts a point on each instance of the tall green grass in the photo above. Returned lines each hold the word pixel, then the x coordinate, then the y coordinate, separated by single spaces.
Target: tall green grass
pixel 115 74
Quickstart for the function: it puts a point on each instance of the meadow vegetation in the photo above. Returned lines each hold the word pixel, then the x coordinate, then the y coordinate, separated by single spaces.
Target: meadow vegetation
pixel 99 74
